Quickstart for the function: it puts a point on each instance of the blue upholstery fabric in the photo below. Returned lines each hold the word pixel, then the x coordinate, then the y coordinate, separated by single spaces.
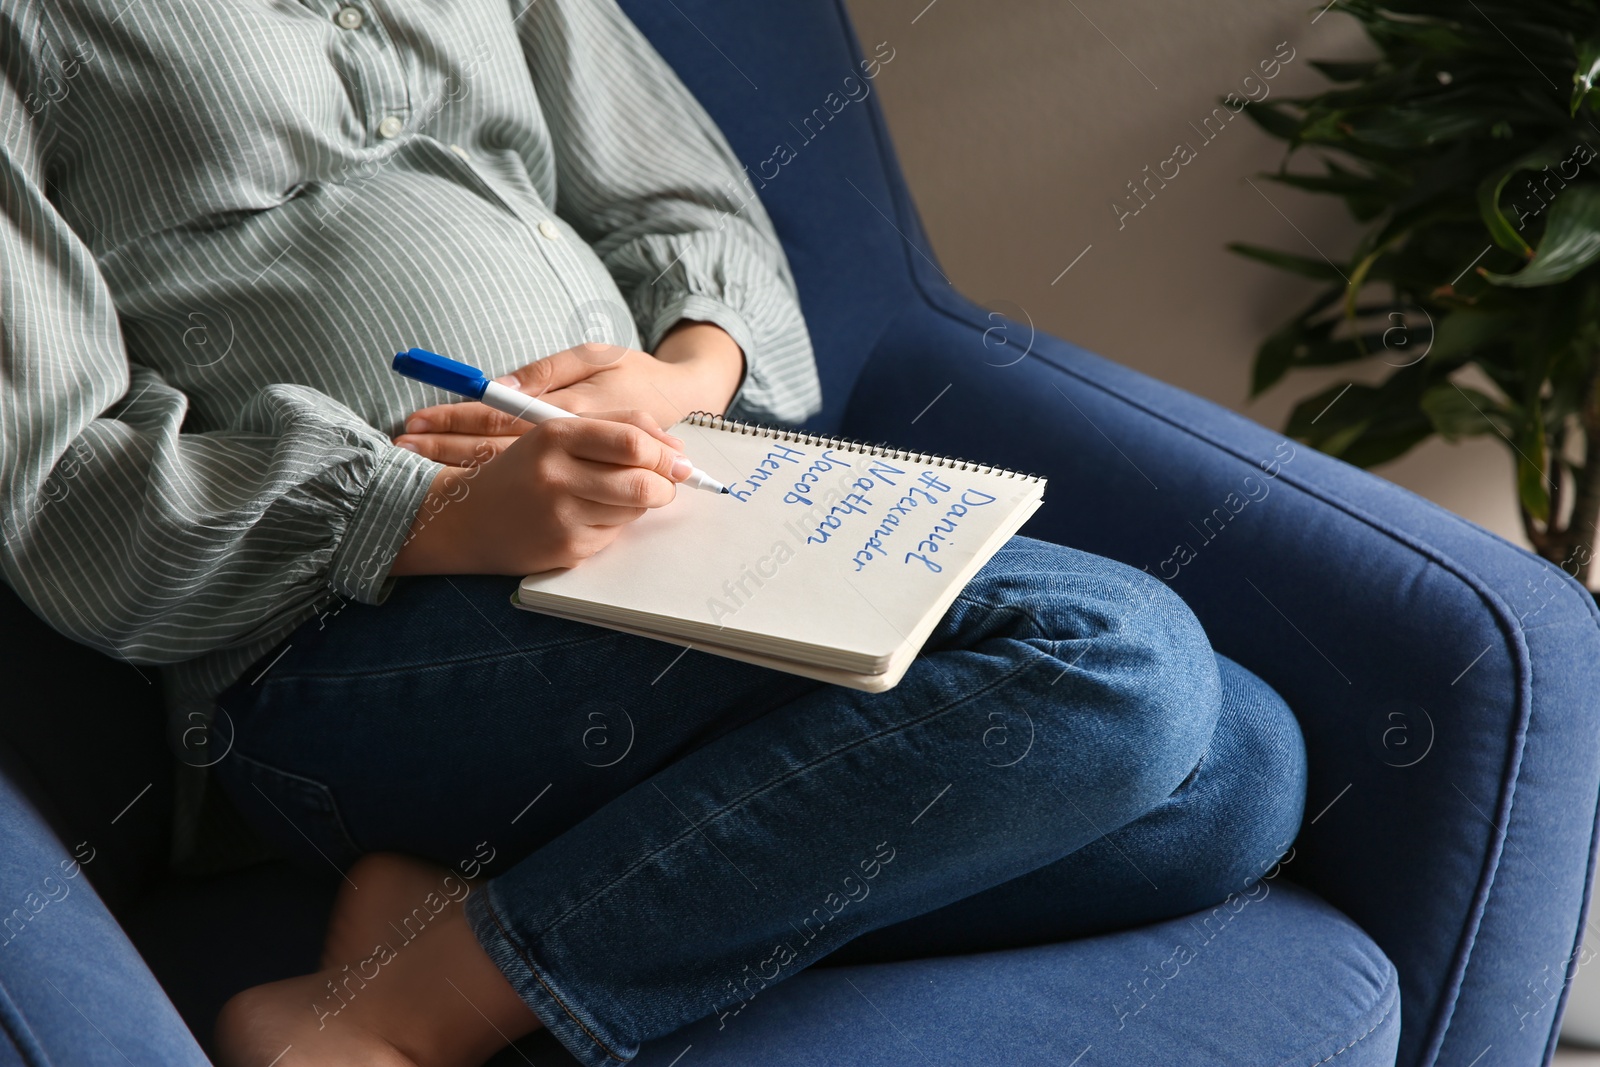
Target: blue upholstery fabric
pixel 1446 681
pixel 1271 976
pixel 765 67
pixel 1285 980
pixel 72 988
pixel 1362 604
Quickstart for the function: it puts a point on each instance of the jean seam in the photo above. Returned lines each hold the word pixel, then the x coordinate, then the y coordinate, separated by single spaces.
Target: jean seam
pixel 292 675
pixel 516 944
pixel 333 815
pixel 698 828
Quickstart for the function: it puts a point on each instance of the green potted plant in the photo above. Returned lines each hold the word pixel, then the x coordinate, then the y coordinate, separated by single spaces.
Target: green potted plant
pixel 1466 147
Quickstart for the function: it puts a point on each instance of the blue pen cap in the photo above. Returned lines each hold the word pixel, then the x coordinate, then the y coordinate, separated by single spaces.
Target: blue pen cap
pixel 434 369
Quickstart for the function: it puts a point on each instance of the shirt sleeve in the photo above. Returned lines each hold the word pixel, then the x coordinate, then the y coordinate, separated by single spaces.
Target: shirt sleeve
pixel 645 176
pixel 120 530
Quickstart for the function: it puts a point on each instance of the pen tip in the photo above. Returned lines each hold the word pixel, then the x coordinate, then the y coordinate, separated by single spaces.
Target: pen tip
pixel 724 490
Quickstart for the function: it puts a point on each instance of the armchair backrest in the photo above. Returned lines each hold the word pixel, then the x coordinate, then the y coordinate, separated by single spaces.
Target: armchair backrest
pixel 796 99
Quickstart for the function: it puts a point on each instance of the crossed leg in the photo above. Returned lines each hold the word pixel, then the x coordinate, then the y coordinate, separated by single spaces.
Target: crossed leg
pixel 666 837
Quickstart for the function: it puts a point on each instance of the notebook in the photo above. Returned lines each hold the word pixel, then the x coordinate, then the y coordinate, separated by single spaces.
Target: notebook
pixel 828 558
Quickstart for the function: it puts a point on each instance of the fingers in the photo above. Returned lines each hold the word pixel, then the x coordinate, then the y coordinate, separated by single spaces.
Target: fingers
pixel 590 513
pixel 642 419
pixel 468 417
pixel 612 484
pixel 619 441
pixel 554 371
pixel 455 449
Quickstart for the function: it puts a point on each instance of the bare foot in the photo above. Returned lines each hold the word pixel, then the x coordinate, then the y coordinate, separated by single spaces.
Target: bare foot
pixel 270 1024
pixel 435 1001
pixel 388 900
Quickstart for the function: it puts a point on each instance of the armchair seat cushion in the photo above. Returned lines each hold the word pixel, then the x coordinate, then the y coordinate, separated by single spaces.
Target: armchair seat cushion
pixel 1275 977
pixel 1271 977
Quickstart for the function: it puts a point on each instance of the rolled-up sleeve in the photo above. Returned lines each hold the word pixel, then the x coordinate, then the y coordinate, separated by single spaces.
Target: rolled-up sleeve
pixel 646 177
pixel 121 530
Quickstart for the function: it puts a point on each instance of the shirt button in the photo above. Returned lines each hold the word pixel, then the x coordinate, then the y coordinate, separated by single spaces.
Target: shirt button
pixel 349 17
pixel 462 152
pixel 548 230
pixel 391 126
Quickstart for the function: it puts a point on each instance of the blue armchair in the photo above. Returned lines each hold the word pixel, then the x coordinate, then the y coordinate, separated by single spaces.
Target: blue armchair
pixel 1447 683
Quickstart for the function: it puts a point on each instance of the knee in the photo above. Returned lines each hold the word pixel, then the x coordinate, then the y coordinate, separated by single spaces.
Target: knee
pixel 1135 661
pixel 1128 669
pixel 1250 796
pixel 1168 681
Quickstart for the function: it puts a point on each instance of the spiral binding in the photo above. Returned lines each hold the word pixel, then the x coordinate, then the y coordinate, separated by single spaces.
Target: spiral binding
pixel 712 421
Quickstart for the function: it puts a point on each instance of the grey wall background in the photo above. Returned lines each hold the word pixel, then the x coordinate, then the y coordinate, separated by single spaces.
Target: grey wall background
pixel 1020 121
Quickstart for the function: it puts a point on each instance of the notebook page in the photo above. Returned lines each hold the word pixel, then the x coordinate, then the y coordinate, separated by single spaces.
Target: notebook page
pixel 822 552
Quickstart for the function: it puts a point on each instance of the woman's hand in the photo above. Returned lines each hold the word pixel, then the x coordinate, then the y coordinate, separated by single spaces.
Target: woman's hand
pixel 697 366
pixel 552 498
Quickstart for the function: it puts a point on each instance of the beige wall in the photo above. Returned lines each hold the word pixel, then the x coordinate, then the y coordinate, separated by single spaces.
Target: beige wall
pixel 1019 121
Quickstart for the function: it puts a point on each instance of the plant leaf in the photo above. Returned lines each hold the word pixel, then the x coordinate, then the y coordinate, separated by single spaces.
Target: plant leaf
pixel 1337 71
pixel 1319 269
pixel 1325 414
pixel 1456 412
pixel 1279 351
pixel 1382 444
pixel 1585 75
pixel 1570 243
pixel 1532 489
pixel 1500 229
pixel 1463 333
pixel 1277 122
pixel 1363 424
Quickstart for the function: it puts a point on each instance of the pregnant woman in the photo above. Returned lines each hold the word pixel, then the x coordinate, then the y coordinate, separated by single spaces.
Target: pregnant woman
pixel 220 222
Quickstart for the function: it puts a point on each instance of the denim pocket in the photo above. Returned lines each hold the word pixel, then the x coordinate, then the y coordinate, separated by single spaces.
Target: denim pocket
pixel 296 813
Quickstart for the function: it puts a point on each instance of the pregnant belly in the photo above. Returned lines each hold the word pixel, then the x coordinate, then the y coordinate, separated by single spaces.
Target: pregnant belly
pixel 325 288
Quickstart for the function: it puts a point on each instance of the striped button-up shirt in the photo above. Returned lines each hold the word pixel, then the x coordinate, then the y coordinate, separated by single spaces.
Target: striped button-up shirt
pixel 222 220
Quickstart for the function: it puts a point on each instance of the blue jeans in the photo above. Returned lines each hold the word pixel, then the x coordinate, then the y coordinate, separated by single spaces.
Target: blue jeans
pixel 670 832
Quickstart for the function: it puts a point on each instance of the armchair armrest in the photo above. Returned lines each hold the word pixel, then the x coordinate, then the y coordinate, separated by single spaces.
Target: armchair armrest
pixel 73 989
pixel 1447 681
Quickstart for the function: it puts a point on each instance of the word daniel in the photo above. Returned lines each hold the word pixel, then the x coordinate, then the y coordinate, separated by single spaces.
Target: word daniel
pixel 784 954
pixel 834 508
pixel 1185 153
